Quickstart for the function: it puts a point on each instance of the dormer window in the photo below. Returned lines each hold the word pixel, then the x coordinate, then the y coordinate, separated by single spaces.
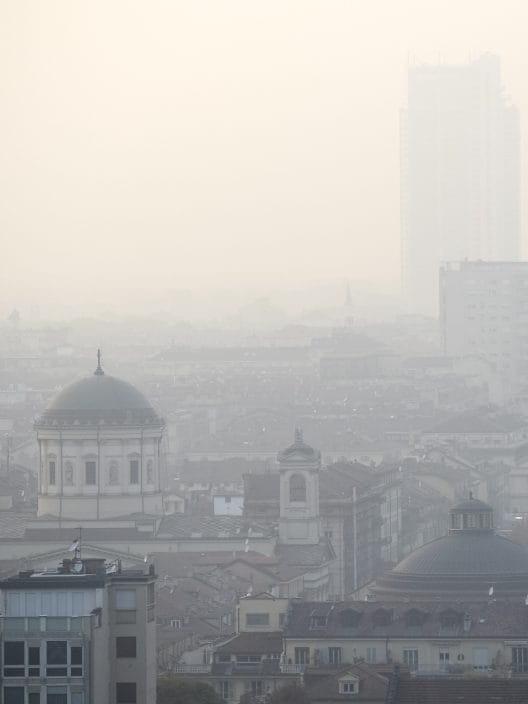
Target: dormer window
pixel 450 618
pixel 348 686
pixel 414 617
pixel 381 617
pixel 350 618
pixel 318 622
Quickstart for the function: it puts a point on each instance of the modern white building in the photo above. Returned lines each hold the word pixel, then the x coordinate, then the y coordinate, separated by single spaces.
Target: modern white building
pixel 460 174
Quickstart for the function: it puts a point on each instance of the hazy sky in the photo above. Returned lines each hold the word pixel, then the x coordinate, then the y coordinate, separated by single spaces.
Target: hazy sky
pixel 156 143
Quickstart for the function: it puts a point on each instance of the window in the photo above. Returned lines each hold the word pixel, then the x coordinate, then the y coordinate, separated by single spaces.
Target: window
pixel 334 656
pixel 134 471
pixel 350 618
pixel 371 654
pixel 151 594
pixel 90 473
pixel 13 695
pixel 126 606
pixel 57 695
pixel 248 659
pixel 34 698
pixel 77 698
pixel 297 488
pixel 282 620
pixel 52 472
pixel 14 659
pixel 34 661
pixel 302 656
pixel 125 599
pixel 223 689
pixel 443 659
pixel 76 660
pixel 63 661
pixel 520 660
pixel 347 687
pixel 410 658
pixel 126 693
pixel 318 622
pixel 257 688
pixel 257 619
pixel 56 658
pixel 126 647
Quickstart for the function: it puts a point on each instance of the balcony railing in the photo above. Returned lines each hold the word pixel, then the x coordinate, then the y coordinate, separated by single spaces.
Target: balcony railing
pixel 191 669
pixel 15 625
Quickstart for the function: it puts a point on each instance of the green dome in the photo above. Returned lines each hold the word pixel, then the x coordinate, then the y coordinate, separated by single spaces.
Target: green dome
pixel 99 398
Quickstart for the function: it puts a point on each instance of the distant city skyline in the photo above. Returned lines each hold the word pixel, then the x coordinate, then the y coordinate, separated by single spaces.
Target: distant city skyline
pixel 221 145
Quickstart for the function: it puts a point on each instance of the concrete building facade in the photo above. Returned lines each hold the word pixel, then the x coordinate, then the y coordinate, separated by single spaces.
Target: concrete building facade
pixel 79 634
pixel 460 178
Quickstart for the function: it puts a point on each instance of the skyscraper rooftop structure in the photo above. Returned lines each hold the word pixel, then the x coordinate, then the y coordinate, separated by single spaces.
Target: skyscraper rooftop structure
pixel 460 174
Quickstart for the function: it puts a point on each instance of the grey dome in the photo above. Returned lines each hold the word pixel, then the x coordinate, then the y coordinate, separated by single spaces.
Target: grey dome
pixel 99 398
pixel 470 553
pixel 463 564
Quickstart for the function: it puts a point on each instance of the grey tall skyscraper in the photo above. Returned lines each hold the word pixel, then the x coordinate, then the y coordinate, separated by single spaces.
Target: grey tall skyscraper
pixel 460 177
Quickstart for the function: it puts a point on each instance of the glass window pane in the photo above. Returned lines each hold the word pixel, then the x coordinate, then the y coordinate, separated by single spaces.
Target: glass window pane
pixel 126 647
pixel 13 695
pixel 14 652
pixel 126 598
pixel 56 652
pixel 126 693
pixel 76 655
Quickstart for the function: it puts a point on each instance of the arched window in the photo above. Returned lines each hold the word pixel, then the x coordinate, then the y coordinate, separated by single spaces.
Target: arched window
pixel 297 488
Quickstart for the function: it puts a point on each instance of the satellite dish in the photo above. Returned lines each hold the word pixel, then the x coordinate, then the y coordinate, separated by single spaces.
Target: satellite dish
pixel 77 567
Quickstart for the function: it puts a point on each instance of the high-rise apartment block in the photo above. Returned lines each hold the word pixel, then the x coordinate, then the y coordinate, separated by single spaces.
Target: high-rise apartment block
pixel 459 174
pixel 484 312
pixel 78 635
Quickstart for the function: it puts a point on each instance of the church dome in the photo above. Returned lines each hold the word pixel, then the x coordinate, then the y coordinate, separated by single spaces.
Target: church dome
pixel 99 398
pixel 466 563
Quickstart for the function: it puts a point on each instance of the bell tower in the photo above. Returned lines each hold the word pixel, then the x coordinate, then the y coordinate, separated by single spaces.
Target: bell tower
pixel 299 466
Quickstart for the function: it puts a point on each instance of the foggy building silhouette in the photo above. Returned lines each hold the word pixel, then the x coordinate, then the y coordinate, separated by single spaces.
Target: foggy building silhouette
pixel 460 174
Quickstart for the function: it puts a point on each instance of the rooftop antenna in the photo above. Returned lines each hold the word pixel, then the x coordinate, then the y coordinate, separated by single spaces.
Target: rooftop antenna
pixel 298 436
pixel 99 371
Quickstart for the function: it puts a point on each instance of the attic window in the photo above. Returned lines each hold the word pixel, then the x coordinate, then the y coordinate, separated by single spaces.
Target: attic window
pixel 348 687
pixel 350 618
pixel 450 618
pixel 318 622
pixel 414 617
pixel 381 617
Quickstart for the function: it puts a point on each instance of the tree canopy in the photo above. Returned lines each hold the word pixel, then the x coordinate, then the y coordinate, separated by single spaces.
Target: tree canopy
pixel 290 694
pixel 180 690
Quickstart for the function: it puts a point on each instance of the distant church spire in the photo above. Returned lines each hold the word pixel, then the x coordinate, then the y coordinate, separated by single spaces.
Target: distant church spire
pixel 99 371
pixel 299 440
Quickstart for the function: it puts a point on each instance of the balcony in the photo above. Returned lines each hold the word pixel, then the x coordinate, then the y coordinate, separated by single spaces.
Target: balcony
pixel 36 625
